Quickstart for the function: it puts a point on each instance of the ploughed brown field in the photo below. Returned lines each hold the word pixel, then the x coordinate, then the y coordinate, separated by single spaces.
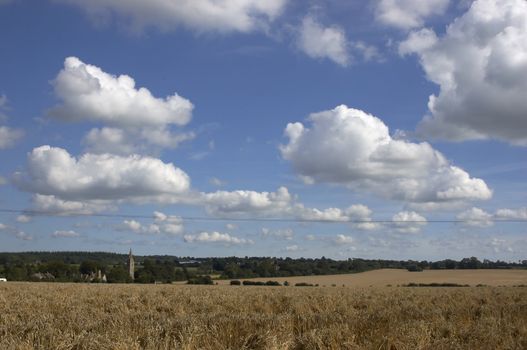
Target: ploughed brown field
pixel 396 277
pixel 104 316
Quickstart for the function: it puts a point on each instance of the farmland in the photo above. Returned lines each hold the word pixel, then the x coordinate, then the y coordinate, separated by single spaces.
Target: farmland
pixel 120 316
pixel 383 277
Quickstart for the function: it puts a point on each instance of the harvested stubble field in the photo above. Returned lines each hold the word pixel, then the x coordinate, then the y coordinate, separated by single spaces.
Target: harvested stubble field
pixel 383 277
pixel 80 316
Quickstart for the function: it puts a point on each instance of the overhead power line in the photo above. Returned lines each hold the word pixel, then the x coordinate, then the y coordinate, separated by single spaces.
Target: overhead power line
pixel 256 219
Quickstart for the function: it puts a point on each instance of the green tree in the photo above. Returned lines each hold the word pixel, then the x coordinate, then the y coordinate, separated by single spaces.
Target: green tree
pixel 118 274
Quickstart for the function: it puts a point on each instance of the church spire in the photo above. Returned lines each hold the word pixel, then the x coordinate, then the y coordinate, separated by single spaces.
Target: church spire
pixel 131 265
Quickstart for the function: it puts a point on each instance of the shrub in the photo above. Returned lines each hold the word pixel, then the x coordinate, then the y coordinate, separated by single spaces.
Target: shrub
pixel 272 283
pixel 435 284
pixel 253 283
pixel 235 283
pixel 200 280
pixel 304 284
pixel 414 268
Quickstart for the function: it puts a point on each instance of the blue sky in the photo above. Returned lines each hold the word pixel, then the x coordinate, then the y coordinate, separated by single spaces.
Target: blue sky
pixel 285 128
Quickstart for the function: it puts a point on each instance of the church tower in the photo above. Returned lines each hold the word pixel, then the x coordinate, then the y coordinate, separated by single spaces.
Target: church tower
pixel 131 265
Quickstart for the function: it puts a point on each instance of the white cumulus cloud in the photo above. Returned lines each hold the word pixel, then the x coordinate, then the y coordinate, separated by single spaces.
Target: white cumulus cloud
pixel 518 214
pixel 9 136
pixel 285 234
pixel 216 237
pixel 126 141
pixel 166 224
pixel 88 93
pixel 137 227
pixel 358 214
pixel 292 248
pixel 407 14
pixel 225 203
pixel 201 15
pixel 169 224
pixel 350 147
pixel 480 65
pixel 318 41
pixel 65 234
pixel 54 172
pixel 409 222
pixel 476 217
pixel 343 240
pixel 23 219
pixel 15 232
pixel 137 120
pixel 52 205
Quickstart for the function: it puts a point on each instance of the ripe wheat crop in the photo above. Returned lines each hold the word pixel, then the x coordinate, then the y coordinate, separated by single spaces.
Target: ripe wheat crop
pixel 80 316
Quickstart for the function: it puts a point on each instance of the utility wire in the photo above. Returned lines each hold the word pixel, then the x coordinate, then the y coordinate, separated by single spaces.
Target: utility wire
pixel 255 219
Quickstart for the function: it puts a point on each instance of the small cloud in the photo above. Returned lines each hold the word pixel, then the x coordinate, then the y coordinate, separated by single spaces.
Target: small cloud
pixel 23 236
pixel 476 217
pixel 23 219
pixel 513 214
pixel 293 248
pixel 65 234
pixel 199 155
pixel 409 222
pixel 216 237
pixel 343 240
pixel 285 234
pixel 217 182
pixel 231 226
pixel 9 136
pixel 16 232
pixel 499 245
pixel 321 42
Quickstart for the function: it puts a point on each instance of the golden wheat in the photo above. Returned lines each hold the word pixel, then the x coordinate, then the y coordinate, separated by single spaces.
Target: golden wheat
pixel 79 316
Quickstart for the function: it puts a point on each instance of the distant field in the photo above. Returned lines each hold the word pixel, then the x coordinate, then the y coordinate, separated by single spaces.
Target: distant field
pixel 99 316
pixel 398 277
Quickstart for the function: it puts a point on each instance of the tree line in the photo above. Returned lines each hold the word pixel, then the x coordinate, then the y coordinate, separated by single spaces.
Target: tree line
pixel 111 267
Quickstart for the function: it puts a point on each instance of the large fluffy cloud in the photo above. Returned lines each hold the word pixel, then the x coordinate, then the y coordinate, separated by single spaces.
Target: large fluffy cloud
pixel 350 147
pixel 323 42
pixel 406 14
pixel 54 172
pixel 202 15
pixel 229 203
pixel 88 93
pixel 136 120
pixel 480 65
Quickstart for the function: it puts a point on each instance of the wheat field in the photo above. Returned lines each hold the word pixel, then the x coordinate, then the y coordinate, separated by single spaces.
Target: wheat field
pixel 383 277
pixel 82 316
